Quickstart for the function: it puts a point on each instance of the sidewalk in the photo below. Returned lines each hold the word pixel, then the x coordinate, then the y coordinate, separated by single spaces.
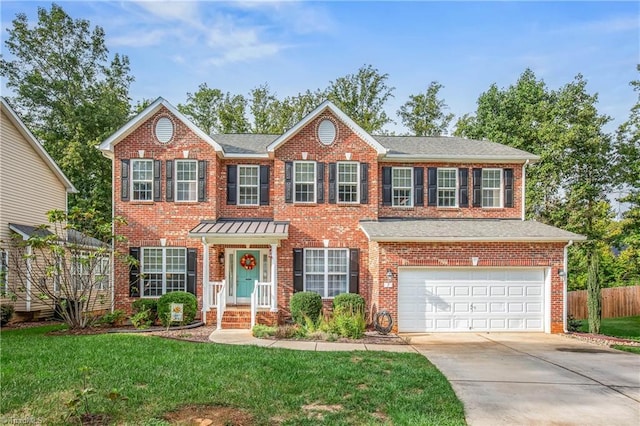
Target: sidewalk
pixel 244 337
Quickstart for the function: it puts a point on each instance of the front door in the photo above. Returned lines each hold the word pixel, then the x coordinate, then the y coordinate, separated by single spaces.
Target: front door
pixel 248 271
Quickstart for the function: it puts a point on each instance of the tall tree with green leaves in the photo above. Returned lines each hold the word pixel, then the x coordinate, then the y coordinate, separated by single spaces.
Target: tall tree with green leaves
pixel 203 108
pixel 424 114
pixel 363 96
pixel 71 94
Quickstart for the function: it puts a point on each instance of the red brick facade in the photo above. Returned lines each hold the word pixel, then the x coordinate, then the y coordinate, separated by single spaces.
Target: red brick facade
pixel 310 225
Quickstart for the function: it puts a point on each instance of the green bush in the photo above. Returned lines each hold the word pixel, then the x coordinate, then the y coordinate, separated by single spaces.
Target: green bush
pixel 349 324
pixel 114 318
pixel 305 303
pixel 142 319
pixel 150 305
pixel 6 313
pixel 187 299
pixel 351 302
pixel 261 331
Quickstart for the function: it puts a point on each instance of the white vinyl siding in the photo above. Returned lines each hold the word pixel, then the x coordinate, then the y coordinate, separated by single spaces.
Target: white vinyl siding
pixel 402 186
pixel 491 187
pixel 248 185
pixel 348 182
pixel 326 271
pixel 186 180
pixel 142 180
pixel 304 181
pixel 163 270
pixel 447 187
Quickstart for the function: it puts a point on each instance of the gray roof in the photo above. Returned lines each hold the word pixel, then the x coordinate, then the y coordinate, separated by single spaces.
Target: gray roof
pixel 436 230
pixel 26 231
pixel 239 230
pixel 449 148
pixel 77 237
pixel 437 148
pixel 73 236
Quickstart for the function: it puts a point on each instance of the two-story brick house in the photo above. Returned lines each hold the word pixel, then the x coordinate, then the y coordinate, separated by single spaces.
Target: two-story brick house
pixel 429 229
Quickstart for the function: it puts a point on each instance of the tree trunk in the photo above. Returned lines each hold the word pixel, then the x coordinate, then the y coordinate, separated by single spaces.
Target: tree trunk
pixel 594 302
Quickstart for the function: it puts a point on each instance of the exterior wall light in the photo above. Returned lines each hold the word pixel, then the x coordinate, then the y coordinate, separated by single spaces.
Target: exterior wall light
pixel 221 258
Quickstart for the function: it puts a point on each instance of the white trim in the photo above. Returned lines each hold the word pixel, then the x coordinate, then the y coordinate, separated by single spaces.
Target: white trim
pixel 493 159
pixel 133 181
pixel 455 188
pixel 412 189
pixel 328 105
pixel 205 279
pixel 524 188
pixel 565 280
pixel 163 272
pixel 314 182
pixel 326 272
pixel 466 239
pixel 274 278
pixel 356 183
pixel 233 283
pixel 500 187
pixel 257 185
pixel 36 145
pixel 175 178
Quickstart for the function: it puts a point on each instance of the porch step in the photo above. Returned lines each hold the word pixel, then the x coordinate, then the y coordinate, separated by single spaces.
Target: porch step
pixel 236 319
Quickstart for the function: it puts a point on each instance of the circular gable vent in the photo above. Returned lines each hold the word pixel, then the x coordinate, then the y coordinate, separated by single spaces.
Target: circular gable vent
pixel 164 130
pixel 326 132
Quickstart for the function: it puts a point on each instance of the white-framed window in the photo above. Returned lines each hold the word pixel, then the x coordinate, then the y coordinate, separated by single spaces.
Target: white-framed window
pixel 491 187
pixel 142 180
pixel 326 271
pixel 402 186
pixel 163 269
pixel 447 187
pixel 248 185
pixel 4 271
pixel 102 273
pixel 186 180
pixel 80 270
pixel 348 182
pixel 304 181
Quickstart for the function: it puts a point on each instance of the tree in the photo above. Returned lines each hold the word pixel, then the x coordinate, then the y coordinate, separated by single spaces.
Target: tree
pixel 264 107
pixel 362 96
pixel 203 108
pixel 423 114
pixel 65 270
pixel 70 95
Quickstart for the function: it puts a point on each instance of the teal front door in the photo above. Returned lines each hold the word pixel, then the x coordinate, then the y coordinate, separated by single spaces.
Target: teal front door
pixel 248 267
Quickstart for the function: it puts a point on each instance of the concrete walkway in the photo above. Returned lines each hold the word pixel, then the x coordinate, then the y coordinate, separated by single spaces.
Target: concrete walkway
pixel 244 337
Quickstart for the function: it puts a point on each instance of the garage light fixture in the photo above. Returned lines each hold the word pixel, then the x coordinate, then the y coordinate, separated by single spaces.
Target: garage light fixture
pixel 474 261
pixel 389 274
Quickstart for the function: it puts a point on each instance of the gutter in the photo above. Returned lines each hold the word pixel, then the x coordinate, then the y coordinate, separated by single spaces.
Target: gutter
pixel 524 186
pixel 565 280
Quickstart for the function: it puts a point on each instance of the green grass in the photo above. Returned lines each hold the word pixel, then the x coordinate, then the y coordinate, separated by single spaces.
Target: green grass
pixel 625 327
pixel 632 349
pixel 40 373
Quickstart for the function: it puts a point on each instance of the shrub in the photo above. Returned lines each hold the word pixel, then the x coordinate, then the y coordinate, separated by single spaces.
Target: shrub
pixel 142 319
pixel 349 301
pixel 349 324
pixel 187 299
pixel 261 331
pixel 573 324
pixel 114 318
pixel 6 313
pixel 289 332
pixel 150 305
pixel 305 303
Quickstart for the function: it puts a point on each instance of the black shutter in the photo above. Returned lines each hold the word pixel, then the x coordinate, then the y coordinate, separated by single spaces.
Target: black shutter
pixel 477 187
pixel 386 186
pixel 232 179
pixel 157 172
pixel 354 270
pixel 202 180
pixel 364 183
pixel 134 272
pixel 288 182
pixel 463 191
pixel 418 186
pixel 320 183
pixel 508 187
pixel 298 262
pixel 124 180
pixel 264 185
pixel 169 179
pixel 192 257
pixel 432 186
pixel 333 184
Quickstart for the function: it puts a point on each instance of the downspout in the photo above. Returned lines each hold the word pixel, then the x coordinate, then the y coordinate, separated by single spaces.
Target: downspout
pixel 565 280
pixel 112 257
pixel 524 186
pixel 206 288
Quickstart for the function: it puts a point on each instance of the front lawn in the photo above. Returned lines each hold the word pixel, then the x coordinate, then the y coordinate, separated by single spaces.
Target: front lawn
pixel 624 327
pixel 39 374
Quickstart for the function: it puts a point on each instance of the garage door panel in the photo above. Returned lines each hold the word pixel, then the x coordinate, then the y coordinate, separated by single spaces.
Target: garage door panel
pixel 474 299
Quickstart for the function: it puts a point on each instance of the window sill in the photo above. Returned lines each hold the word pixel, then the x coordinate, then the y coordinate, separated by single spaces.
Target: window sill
pixel 140 202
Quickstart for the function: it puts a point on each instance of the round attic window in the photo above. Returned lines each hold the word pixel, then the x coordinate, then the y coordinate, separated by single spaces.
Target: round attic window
pixel 326 132
pixel 164 130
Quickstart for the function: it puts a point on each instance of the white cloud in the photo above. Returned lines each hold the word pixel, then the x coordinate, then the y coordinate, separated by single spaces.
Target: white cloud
pixel 245 53
pixel 139 38
pixel 186 11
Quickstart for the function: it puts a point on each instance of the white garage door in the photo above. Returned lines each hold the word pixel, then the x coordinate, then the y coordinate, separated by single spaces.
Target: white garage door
pixel 475 299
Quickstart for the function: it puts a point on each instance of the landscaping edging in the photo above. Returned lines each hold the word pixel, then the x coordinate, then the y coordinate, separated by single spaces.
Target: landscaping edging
pixel 601 339
pixel 157 328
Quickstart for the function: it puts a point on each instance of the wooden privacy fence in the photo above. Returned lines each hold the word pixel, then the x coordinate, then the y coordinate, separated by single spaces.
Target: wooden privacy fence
pixel 616 302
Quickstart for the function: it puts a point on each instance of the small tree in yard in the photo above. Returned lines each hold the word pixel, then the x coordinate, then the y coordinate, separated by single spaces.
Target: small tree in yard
pixel 61 268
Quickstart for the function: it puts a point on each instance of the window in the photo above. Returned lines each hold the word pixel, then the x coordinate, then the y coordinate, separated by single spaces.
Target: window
pixel 142 180
pixel 186 180
pixel 102 273
pixel 248 185
pixel 80 270
pixel 304 181
pixel 163 270
pixel 348 182
pixel 447 186
pixel 402 177
pixel 4 271
pixel 326 271
pixel 491 188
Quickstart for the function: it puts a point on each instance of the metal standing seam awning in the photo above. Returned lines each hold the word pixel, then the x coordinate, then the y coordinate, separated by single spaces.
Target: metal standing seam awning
pixel 241 231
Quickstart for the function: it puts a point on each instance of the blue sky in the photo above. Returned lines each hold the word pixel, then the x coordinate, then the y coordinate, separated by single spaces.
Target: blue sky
pixel 295 45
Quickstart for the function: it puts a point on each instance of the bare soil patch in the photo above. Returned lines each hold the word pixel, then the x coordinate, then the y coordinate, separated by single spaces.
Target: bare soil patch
pixel 203 415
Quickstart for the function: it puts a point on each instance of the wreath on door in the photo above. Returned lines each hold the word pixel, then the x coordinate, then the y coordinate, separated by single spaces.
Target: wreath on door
pixel 248 261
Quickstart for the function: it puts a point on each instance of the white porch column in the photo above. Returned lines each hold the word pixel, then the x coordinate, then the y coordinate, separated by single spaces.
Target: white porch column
pixel 205 279
pixel 274 278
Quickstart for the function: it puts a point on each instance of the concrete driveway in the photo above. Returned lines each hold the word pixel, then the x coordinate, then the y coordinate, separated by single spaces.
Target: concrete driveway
pixel 536 379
